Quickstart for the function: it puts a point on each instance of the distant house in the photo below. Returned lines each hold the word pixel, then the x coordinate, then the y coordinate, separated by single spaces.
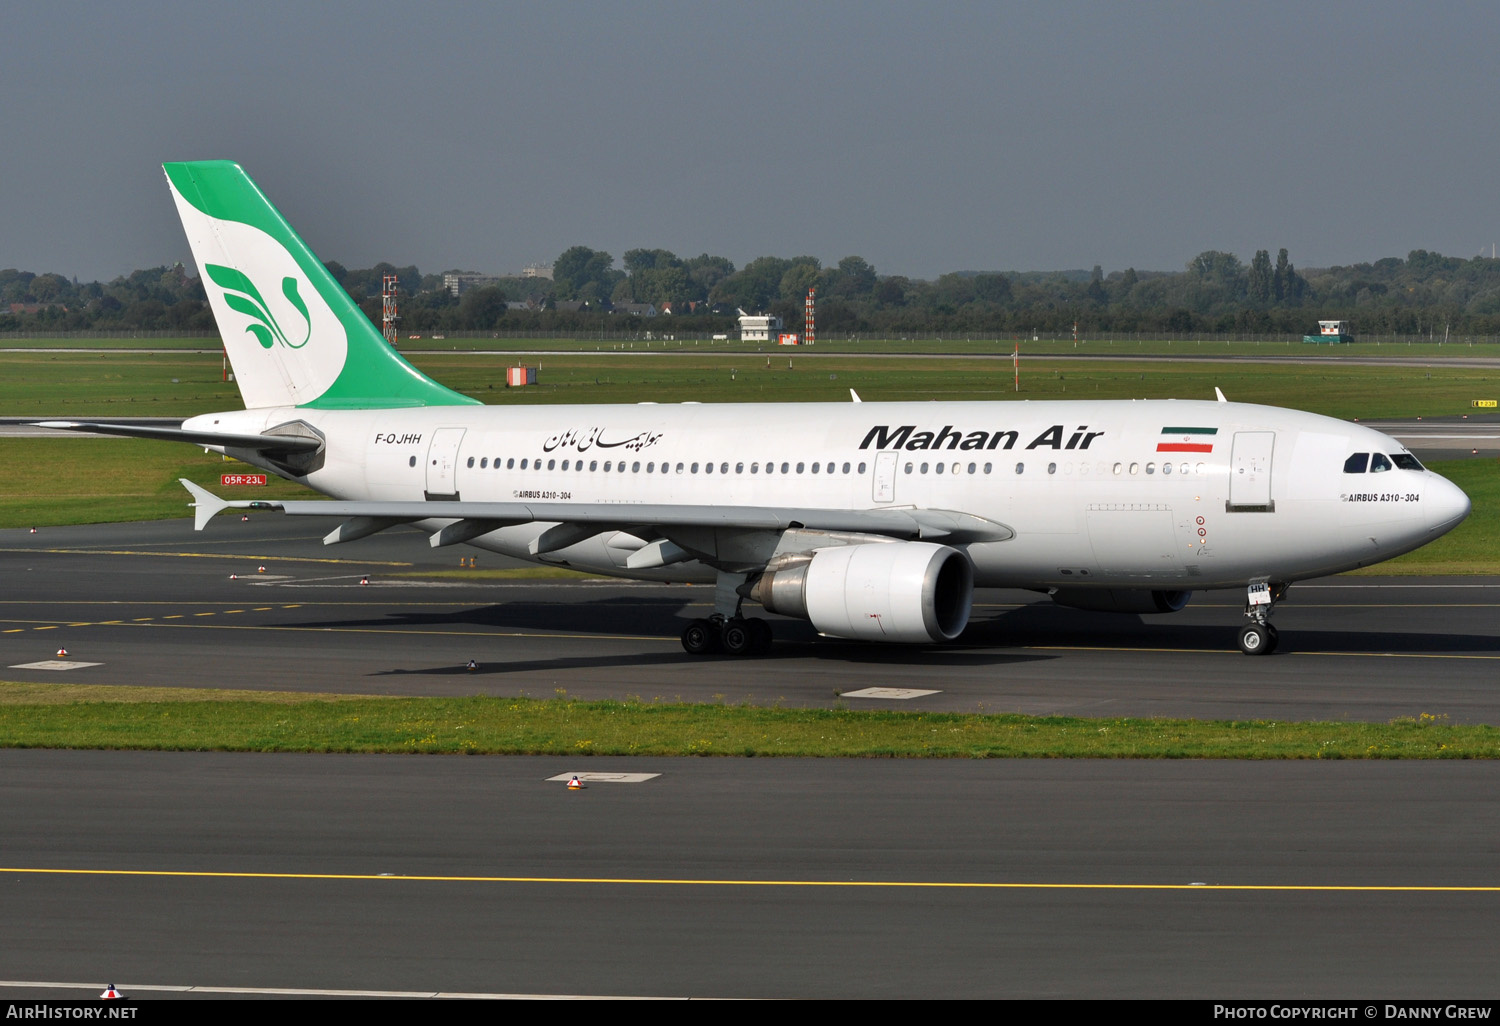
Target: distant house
pixel 571 306
pixel 758 327
pixel 459 282
pixel 636 309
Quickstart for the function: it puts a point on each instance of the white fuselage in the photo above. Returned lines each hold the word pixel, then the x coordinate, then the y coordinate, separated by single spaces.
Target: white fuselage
pixel 1134 494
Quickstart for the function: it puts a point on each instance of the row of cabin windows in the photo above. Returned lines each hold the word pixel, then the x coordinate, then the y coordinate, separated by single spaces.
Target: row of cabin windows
pixel 1403 460
pixel 1379 462
pixel 650 467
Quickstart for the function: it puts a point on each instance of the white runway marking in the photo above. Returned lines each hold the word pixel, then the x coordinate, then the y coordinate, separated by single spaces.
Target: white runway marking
pixel 53 664
pixel 604 778
pixel 897 693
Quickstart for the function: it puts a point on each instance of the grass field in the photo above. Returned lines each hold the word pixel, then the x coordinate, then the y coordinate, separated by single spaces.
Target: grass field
pixel 75 716
pixel 70 385
pixel 958 344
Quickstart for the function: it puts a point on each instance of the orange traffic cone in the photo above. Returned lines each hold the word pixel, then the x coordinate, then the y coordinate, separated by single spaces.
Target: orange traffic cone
pixel 61 652
pixel 110 994
pixel 364 580
pixel 574 784
pixel 260 569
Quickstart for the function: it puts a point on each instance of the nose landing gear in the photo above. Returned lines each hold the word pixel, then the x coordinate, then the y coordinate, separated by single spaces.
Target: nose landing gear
pixel 1258 637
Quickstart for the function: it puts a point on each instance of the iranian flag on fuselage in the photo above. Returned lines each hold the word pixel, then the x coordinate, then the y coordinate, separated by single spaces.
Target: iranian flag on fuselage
pixel 1187 439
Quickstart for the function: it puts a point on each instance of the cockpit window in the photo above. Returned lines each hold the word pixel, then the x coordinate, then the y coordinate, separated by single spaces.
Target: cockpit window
pixel 1356 464
pixel 1405 461
pixel 1379 463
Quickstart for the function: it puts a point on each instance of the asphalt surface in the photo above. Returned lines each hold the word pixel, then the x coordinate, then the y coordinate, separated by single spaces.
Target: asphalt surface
pixel 729 877
pixel 747 878
pixel 157 604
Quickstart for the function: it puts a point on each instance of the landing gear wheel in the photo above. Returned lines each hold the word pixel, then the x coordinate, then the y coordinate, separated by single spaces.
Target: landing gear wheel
pixel 1256 639
pixel 738 638
pixel 700 638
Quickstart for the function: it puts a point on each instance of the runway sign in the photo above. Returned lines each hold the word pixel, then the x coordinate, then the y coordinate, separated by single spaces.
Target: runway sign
pixel 1486 404
pixel 53 664
pixel 899 693
pixel 242 479
pixel 603 778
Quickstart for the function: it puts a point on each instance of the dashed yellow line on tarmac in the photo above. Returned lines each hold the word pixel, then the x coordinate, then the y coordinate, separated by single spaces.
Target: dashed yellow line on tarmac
pixel 211 555
pixel 995 885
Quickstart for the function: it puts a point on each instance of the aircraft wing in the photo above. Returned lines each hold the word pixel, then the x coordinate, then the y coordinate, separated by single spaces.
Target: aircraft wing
pixel 580 520
pixel 258 443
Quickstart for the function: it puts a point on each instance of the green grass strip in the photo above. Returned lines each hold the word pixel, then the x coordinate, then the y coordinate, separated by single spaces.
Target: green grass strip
pixel 97 718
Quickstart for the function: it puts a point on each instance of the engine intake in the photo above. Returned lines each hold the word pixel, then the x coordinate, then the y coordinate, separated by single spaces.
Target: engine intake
pixel 914 592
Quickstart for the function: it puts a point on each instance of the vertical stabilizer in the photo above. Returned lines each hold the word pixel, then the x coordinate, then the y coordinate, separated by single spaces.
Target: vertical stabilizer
pixel 294 336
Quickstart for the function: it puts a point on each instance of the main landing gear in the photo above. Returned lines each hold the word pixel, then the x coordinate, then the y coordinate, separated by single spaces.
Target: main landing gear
pixel 735 635
pixel 1258 637
pixel 726 630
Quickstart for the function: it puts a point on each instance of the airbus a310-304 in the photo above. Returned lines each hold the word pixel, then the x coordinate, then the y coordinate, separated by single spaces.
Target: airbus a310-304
pixel 873 521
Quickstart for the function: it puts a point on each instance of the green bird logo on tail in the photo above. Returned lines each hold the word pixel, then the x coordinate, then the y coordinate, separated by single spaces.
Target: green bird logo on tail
pixel 241 295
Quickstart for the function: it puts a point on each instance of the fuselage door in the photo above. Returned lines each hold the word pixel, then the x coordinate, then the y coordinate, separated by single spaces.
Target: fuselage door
pixel 442 464
pixel 885 476
pixel 1250 473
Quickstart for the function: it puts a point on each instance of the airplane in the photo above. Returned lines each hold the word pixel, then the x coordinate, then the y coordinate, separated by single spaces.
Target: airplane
pixel 872 521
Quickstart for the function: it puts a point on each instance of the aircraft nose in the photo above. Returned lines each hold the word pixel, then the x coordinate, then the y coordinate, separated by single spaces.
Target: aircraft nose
pixel 1446 505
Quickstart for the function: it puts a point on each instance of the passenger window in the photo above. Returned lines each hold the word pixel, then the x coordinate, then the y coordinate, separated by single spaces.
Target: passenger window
pixel 739 468
pixel 846 468
pixel 1119 469
pixel 651 467
pixel 938 469
pixel 1020 468
pixel 523 464
pixel 1052 468
pixel 551 464
pixel 990 466
pixel 786 468
pixel 470 464
pixel 565 464
pixel 814 468
pixel 861 467
pixel 799 468
pixel 1379 463
pixel 412 462
pixel 924 468
pixel 723 468
pixel 695 468
pixel 635 468
pixel 1166 468
pixel 485 462
pixel 908 468
pixel 1356 464
pixel 1135 468
pixel 972 468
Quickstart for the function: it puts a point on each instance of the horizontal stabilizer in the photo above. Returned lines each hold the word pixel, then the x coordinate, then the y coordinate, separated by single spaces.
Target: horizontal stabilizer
pixel 258 443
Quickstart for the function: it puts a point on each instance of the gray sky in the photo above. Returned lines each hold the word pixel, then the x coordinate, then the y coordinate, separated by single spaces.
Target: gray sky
pixel 924 137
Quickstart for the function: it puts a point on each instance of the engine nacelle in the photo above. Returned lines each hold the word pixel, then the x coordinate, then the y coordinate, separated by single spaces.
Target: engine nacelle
pixel 1121 600
pixel 913 592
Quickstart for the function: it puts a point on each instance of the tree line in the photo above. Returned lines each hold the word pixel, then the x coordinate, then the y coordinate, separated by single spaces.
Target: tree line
pixel 1424 293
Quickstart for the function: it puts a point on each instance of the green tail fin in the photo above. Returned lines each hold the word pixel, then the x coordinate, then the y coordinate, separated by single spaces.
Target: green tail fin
pixel 292 332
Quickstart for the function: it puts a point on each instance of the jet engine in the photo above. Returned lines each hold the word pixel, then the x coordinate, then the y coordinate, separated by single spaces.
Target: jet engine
pixel 913 592
pixel 1121 600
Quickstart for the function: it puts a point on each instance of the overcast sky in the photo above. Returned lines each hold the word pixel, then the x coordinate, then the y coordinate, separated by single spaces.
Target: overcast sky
pixel 924 137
